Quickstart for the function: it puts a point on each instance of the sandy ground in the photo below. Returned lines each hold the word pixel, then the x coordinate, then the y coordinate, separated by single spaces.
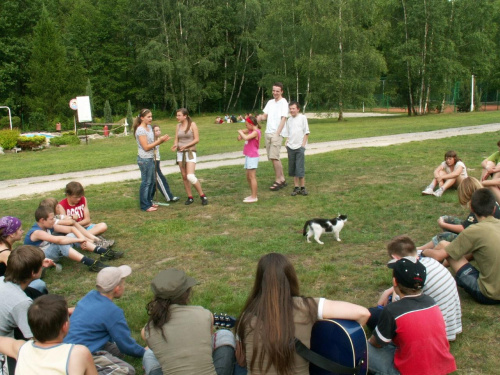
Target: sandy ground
pixel 36 185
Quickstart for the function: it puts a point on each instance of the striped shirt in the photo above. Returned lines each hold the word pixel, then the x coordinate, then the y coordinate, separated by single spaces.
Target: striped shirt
pixel 441 286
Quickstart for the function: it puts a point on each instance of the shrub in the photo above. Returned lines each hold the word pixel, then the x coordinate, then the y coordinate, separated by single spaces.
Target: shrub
pixel 28 143
pixel 8 138
pixel 66 139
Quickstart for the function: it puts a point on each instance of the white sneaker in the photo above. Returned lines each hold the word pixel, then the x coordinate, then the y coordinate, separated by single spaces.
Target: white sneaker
pixel 250 200
pixel 438 192
pixel 428 191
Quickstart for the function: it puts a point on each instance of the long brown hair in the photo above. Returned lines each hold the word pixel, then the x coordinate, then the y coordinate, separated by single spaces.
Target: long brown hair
pixel 159 311
pixel 138 119
pixel 3 239
pixel 185 112
pixel 268 312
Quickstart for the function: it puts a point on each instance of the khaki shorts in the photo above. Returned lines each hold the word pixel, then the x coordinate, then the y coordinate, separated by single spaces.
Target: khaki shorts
pixel 273 146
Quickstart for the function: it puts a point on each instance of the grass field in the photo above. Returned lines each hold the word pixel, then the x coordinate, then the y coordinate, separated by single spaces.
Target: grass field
pixel 220 244
pixel 216 139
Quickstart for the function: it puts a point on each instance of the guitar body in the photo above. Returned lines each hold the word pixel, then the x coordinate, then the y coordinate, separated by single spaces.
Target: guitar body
pixel 341 341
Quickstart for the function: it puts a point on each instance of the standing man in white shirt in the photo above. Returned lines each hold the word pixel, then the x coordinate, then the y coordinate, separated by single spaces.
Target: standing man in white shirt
pixel 276 113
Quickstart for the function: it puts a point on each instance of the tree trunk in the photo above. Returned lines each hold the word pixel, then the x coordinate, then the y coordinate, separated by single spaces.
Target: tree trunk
pixel 341 67
pixel 408 70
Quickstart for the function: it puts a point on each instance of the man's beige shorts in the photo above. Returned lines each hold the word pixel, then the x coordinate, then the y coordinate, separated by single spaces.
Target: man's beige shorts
pixel 273 146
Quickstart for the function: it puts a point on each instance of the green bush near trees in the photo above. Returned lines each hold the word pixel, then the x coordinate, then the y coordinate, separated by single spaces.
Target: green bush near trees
pixel 29 143
pixel 8 138
pixel 65 139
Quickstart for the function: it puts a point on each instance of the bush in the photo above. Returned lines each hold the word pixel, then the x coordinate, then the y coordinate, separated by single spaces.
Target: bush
pixel 28 143
pixel 66 139
pixel 8 138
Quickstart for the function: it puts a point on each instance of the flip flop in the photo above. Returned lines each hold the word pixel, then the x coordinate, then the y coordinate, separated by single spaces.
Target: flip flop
pixel 151 209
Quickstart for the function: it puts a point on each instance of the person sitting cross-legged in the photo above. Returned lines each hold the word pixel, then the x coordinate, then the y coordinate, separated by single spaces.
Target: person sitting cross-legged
pixel 46 353
pixel 101 326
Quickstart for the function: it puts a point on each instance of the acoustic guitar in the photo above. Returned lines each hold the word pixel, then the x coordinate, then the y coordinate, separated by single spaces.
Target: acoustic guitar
pixel 341 341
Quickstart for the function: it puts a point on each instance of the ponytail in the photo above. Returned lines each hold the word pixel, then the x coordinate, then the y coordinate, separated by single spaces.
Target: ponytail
pixel 138 119
pixel 185 112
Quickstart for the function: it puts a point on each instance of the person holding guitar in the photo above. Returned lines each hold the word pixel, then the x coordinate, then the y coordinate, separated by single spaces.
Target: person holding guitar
pixel 275 314
pixel 180 335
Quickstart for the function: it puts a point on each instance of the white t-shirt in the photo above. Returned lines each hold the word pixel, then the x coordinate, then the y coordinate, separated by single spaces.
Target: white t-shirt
pixel 458 164
pixel 275 110
pixel 295 129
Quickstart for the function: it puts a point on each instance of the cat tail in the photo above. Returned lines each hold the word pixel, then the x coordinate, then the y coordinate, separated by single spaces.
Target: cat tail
pixel 306 225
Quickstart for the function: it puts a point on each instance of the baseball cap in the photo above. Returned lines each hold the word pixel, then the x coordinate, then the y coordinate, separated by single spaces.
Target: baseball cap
pixel 108 278
pixel 171 283
pixel 408 272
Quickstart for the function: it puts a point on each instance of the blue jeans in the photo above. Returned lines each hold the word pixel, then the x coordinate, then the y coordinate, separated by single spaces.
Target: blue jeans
pixel 466 278
pixel 162 184
pixel 223 358
pixel 381 360
pixel 147 168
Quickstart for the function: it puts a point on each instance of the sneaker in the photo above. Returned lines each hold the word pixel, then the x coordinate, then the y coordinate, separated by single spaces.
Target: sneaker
pixel 303 192
pixel 189 201
pixel 109 242
pixel 295 191
pixel 250 200
pixel 438 192
pixel 97 266
pixel 105 244
pixel 174 199
pixel 428 190
pixel 204 201
pixel 111 254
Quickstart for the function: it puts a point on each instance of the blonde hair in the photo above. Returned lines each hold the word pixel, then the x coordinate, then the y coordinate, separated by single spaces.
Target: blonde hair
pixel 466 188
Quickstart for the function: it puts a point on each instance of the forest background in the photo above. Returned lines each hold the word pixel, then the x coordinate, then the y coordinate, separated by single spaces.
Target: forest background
pixel 223 56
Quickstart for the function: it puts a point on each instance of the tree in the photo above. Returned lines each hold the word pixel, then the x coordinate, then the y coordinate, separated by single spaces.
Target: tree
pixel 17 20
pixel 346 65
pixel 48 70
pixel 108 117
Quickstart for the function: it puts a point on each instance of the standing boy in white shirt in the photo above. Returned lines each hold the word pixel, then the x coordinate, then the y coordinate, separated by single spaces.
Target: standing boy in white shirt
pixel 297 131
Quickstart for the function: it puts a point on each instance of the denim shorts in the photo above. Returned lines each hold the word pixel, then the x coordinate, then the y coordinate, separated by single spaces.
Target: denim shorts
pixel 296 163
pixel 251 163
pixel 467 277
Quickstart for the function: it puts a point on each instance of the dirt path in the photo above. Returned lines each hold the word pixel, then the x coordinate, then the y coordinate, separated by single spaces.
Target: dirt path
pixel 36 185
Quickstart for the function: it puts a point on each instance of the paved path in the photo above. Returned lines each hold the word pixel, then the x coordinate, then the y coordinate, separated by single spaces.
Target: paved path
pixel 42 184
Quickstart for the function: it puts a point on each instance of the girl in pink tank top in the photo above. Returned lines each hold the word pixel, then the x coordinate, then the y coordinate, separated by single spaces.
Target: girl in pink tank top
pixel 251 135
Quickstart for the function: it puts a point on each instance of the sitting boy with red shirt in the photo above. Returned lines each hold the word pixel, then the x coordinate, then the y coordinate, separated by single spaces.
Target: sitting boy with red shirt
pixel 410 337
pixel 75 205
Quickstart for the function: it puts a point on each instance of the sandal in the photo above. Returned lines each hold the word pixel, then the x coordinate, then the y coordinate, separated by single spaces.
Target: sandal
pixel 151 209
pixel 278 185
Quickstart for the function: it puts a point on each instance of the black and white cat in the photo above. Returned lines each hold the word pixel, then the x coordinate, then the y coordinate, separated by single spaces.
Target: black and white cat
pixel 317 227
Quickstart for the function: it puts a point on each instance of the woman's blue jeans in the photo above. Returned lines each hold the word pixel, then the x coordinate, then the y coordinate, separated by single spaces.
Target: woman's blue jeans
pixel 147 168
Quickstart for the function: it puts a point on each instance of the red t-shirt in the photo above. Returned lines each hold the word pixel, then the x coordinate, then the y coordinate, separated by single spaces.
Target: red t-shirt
pixel 416 326
pixel 77 209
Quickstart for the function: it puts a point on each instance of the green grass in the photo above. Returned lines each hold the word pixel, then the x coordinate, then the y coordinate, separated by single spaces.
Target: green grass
pixel 220 244
pixel 217 139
